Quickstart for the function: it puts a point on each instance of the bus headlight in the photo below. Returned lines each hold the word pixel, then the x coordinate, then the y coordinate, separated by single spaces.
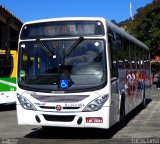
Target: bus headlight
pixel 26 104
pixel 96 104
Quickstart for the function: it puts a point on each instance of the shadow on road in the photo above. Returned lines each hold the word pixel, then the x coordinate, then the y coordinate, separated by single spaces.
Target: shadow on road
pixel 80 133
pixel 8 107
pixel 136 111
pixel 72 133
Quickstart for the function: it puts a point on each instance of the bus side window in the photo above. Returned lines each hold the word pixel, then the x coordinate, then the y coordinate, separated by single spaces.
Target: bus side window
pixel 113 54
pixel 120 64
pixel 137 57
pixel 6 65
pixel 127 59
pixel 133 55
pixel 119 51
pixel 127 64
pixel 141 59
pixel 116 53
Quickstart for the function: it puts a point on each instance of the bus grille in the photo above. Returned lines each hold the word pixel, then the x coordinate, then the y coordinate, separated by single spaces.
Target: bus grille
pixel 53 108
pixel 60 98
pixel 60 118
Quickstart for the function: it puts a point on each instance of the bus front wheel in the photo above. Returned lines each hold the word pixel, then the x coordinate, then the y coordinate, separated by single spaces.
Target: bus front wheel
pixel 122 118
pixel 143 104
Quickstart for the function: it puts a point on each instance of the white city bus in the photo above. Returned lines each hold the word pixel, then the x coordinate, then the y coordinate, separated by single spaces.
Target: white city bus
pixel 79 72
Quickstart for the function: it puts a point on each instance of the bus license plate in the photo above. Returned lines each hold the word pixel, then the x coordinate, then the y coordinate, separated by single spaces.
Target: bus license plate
pixel 94 120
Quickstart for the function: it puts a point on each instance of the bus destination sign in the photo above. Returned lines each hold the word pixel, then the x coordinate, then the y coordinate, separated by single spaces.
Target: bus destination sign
pixel 62 29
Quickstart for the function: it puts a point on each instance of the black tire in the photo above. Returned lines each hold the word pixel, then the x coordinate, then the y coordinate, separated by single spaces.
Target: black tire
pixel 143 104
pixel 47 128
pixel 122 120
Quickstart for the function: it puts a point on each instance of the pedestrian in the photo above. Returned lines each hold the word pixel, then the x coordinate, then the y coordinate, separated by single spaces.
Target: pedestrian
pixel 158 80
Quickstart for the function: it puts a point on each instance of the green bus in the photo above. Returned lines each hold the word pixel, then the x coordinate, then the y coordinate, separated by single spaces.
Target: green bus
pixel 8 77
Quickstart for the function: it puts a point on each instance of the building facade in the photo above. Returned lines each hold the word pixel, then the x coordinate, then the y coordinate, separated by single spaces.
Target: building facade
pixel 9 28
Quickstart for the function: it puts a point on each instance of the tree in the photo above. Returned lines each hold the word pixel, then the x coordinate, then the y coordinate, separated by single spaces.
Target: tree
pixel 146 26
pixel 114 22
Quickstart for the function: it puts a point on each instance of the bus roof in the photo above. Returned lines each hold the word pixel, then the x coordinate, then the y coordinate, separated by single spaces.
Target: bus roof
pixel 67 19
pixel 109 24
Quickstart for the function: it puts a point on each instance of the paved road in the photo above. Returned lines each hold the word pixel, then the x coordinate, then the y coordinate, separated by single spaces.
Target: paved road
pixel 140 124
pixel 147 122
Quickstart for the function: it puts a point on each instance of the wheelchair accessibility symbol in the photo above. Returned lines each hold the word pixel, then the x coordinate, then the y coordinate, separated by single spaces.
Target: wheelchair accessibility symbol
pixel 63 84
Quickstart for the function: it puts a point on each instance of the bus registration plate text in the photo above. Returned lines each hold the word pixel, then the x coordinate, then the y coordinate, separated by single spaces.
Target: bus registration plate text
pixel 94 120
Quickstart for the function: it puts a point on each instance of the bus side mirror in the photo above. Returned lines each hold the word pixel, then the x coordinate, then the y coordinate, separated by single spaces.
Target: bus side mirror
pixel 7 48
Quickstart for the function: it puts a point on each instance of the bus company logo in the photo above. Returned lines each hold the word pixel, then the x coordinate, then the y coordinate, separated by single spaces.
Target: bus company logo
pixel 58 107
pixel 43 104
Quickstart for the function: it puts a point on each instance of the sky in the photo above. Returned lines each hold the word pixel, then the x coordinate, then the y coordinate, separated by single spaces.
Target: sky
pixel 28 10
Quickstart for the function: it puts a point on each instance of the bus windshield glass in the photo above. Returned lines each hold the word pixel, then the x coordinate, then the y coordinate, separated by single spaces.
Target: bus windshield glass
pixel 62 29
pixel 70 65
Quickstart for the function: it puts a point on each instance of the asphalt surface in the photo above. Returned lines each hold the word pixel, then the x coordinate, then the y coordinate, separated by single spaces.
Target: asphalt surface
pixel 142 126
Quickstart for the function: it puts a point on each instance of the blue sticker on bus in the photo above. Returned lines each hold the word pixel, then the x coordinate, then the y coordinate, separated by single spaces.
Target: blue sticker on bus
pixel 64 84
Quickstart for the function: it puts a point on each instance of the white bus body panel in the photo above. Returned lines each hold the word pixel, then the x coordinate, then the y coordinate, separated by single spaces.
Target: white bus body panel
pixel 109 114
pixel 8 97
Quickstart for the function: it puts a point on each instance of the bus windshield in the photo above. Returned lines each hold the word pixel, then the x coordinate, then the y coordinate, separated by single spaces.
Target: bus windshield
pixel 70 65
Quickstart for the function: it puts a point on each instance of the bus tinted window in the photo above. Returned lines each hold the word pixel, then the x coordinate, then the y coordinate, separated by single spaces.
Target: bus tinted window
pixel 6 65
pixel 62 29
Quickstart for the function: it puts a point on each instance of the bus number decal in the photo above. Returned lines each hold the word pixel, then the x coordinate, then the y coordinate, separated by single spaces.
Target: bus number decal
pixel 74 105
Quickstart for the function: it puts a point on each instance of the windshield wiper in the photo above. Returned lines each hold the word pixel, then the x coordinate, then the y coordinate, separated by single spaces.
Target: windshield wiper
pixel 73 46
pixel 98 57
pixel 44 47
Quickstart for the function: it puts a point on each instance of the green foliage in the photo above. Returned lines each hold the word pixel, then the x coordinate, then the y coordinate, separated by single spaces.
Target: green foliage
pixel 146 26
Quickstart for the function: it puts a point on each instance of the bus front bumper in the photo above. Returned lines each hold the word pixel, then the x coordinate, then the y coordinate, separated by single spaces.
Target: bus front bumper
pixel 96 119
pixel 8 97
